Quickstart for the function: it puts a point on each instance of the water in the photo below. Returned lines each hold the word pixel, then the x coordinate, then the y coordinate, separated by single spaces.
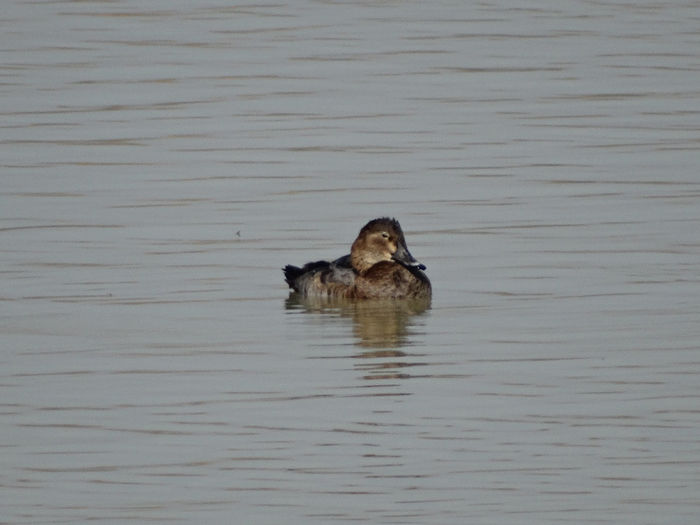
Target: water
pixel 161 161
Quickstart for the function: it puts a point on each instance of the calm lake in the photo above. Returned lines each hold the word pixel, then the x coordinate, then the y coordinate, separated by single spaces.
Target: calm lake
pixel 161 161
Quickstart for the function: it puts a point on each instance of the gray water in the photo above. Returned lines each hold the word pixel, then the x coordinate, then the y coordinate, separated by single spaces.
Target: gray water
pixel 161 161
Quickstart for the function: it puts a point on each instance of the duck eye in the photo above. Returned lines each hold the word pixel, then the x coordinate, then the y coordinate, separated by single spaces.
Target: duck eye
pixel 385 235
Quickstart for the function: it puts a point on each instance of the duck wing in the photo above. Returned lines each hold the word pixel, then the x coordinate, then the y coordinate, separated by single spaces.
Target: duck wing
pixel 320 276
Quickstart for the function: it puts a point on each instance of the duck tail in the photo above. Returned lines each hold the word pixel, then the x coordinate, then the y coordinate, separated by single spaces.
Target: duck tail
pixel 291 274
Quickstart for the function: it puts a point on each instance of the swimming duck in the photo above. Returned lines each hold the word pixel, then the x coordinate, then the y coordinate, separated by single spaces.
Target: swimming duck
pixel 379 266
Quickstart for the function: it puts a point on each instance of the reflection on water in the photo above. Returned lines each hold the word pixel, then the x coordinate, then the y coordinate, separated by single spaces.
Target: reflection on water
pixel 386 364
pixel 376 323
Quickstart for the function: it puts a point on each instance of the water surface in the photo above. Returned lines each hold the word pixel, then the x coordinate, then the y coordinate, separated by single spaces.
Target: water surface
pixel 160 163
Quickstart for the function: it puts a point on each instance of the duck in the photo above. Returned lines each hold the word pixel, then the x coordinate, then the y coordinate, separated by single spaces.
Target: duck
pixel 379 266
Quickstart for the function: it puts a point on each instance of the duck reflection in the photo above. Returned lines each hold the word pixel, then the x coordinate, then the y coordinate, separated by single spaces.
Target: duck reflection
pixel 380 323
pixel 391 369
pixel 381 328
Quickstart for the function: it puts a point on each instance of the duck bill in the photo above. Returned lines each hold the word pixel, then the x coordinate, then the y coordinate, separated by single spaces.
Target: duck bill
pixel 403 256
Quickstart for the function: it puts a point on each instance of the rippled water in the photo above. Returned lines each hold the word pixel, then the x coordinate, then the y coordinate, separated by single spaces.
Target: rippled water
pixel 161 161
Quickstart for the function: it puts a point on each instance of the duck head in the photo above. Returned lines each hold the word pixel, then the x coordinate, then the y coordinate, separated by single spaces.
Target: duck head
pixel 381 240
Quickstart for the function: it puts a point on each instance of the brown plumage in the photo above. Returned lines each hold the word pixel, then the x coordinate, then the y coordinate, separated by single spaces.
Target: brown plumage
pixel 379 266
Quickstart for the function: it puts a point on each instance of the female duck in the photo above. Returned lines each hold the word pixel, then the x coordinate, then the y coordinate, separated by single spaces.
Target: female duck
pixel 379 266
